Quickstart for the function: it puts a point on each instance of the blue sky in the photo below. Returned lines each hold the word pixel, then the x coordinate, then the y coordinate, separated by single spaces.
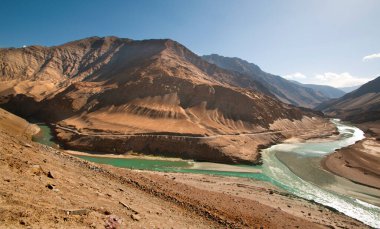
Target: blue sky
pixel 314 41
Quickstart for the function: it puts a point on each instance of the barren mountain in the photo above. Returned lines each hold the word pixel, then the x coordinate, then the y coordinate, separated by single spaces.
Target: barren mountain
pixel 152 96
pixel 358 162
pixel 284 90
pixel 361 105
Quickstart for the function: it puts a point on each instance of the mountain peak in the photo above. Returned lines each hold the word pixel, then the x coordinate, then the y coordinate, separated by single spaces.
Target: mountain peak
pixel 372 86
pixel 96 41
pixel 361 105
pixel 142 87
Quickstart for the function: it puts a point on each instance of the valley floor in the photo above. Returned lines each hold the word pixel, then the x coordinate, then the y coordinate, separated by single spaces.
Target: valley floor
pixel 48 188
pixel 360 161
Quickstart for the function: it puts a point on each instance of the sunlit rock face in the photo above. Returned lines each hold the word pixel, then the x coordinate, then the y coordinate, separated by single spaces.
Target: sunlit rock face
pixel 158 88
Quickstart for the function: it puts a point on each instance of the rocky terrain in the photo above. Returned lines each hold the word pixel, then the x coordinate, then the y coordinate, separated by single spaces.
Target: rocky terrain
pixel 287 91
pixel 359 106
pixel 358 162
pixel 153 96
pixel 41 187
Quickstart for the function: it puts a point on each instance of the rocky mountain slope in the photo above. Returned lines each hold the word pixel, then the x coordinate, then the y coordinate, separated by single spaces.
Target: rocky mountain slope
pixel 152 96
pixel 358 162
pixel 284 90
pixel 361 105
pixel 41 187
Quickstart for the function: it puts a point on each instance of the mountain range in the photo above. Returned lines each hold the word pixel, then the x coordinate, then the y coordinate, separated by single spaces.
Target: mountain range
pixel 290 92
pixel 115 95
pixel 328 91
pixel 349 89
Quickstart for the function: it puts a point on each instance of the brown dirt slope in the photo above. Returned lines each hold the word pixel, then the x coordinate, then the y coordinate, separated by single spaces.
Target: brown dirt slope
pixel 360 161
pixel 16 125
pixel 46 188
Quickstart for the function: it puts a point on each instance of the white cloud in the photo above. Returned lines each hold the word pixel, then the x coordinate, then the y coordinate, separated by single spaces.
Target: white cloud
pixel 372 56
pixel 295 76
pixel 344 79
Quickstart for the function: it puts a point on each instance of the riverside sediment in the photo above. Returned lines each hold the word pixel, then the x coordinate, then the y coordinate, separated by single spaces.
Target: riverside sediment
pixel 236 148
pixel 359 162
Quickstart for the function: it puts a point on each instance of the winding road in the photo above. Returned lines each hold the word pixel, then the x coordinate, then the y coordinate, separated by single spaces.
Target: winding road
pixel 178 135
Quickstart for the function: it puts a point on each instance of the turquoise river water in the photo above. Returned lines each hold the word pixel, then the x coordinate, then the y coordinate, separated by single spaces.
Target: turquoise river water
pixel 294 167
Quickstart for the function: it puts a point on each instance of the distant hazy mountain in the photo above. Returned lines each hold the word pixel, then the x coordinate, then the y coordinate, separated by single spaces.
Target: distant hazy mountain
pixel 349 89
pixel 283 89
pixel 328 91
pixel 361 105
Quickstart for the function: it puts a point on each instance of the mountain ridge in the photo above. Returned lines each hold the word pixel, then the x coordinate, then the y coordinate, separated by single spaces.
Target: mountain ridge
pixel 121 86
pixel 328 91
pixel 360 105
pixel 283 89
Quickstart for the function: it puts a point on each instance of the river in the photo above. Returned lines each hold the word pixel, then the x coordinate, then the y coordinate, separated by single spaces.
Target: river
pixel 294 167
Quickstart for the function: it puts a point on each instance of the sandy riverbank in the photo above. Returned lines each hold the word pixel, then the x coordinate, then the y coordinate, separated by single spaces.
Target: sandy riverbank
pixel 360 161
pixel 192 164
pixel 128 155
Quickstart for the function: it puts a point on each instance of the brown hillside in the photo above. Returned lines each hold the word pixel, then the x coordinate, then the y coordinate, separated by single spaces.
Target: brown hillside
pixel 114 95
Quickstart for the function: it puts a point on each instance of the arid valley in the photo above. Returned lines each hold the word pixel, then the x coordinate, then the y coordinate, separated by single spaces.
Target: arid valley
pixel 112 132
